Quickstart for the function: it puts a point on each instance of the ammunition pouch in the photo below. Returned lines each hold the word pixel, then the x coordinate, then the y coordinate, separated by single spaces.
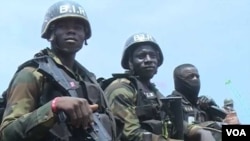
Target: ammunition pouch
pixel 154 126
pixel 146 112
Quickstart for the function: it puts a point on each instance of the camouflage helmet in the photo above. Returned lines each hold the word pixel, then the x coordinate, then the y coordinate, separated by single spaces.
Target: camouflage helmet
pixel 228 101
pixel 64 9
pixel 136 39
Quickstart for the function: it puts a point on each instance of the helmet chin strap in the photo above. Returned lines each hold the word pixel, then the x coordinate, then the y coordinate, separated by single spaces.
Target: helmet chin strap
pixel 52 37
pixel 85 42
pixel 52 40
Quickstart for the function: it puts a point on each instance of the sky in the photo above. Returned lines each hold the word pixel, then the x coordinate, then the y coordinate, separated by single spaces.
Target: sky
pixel 213 35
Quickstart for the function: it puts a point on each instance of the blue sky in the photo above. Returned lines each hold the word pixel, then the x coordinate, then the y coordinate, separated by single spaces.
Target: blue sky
pixel 214 35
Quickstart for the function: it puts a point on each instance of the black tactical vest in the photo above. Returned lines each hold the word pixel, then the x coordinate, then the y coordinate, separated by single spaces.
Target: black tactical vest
pixel 147 103
pixel 191 113
pixel 87 88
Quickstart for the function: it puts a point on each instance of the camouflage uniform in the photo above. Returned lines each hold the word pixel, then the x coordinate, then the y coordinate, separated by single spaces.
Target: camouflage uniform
pixel 124 99
pixel 28 114
pixel 133 99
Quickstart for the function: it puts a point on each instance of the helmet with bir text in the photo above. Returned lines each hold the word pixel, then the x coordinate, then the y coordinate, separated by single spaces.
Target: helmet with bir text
pixel 133 41
pixel 64 9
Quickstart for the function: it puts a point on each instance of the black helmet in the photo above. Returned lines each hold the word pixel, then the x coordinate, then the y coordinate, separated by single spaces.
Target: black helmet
pixel 137 39
pixel 64 9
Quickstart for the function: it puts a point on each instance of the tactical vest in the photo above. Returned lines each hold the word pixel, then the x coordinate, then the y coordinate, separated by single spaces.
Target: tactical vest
pixel 87 88
pixel 147 104
pixel 193 115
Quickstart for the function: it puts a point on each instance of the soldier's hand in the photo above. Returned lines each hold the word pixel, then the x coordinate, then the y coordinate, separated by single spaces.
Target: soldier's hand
pixel 205 102
pixel 231 118
pixel 78 110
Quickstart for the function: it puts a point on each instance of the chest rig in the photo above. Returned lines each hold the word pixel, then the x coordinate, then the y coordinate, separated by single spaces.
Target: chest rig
pixel 85 88
pixel 147 102
pixel 58 81
pixel 191 113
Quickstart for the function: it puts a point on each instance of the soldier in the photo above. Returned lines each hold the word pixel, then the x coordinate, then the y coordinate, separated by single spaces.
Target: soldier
pixel 228 105
pixel 231 117
pixel 36 104
pixel 134 99
pixel 195 109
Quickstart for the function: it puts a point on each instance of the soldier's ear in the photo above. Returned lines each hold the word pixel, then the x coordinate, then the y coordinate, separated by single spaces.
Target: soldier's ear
pixel 130 65
pixel 52 37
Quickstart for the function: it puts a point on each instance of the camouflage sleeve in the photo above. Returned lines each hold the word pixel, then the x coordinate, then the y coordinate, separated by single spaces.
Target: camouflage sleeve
pixel 190 129
pixel 121 99
pixel 22 121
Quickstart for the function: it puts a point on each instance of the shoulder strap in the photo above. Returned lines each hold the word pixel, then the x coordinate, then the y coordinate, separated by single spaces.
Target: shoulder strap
pixel 85 71
pixel 48 67
pixel 104 83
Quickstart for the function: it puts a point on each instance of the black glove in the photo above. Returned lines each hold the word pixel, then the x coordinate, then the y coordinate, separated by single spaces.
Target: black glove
pixel 205 102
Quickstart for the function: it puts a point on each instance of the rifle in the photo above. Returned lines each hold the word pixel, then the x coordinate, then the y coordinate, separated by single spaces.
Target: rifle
pixel 217 112
pixel 172 108
pixel 95 132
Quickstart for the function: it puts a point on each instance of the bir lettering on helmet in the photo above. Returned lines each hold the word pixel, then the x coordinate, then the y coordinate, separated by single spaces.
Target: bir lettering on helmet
pixel 64 9
pixel 136 39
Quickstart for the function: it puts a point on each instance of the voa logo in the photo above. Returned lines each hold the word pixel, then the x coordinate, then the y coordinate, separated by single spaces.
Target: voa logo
pixel 236 132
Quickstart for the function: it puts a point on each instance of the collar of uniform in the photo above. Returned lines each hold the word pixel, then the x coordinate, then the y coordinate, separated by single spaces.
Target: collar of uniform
pixel 73 73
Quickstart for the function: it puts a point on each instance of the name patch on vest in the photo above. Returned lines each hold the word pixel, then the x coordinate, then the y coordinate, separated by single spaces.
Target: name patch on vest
pixel 149 95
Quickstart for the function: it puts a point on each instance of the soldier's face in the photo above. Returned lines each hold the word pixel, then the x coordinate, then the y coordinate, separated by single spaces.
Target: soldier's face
pixel 69 34
pixel 190 74
pixel 191 77
pixel 230 105
pixel 144 61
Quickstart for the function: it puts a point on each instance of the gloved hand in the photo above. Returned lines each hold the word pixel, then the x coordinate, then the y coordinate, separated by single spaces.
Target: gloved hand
pixel 205 102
